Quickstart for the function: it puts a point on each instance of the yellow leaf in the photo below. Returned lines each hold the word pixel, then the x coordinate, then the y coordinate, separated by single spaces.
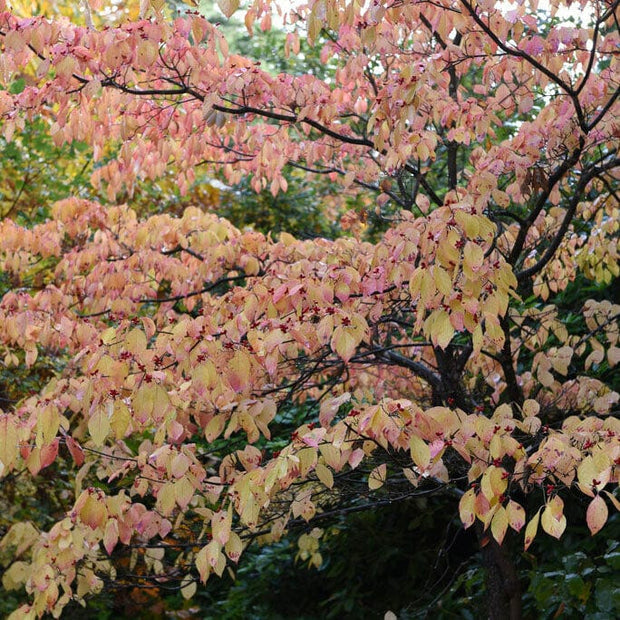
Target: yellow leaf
pixel 202 564
pixel 314 23
pixel 344 342
pixel 553 520
pixel 161 402
pixel 493 482
pixel 93 511
pixel 183 492
pixel 530 408
pixel 468 222
pixel 221 523
pixel 592 474
pixel 516 515
pixel 188 587
pixel 307 460
pixel 166 498
pixel 420 452
pixel 31 353
pixel 150 402
pixel 146 53
pixel 325 475
pixel 439 328
pixel 228 7
pixel 8 441
pixel 427 287
pixel 234 547
pixel 473 257
pixel 215 427
pixel 499 524
pixel 20 537
pixel 16 576
pixel 613 356
pixel 239 372
pixel 215 557
pixel 331 454
pixel 531 529
pixel 121 417
pixel 99 426
pixel 205 375
pixel 48 423
pixel 467 508
pixel 496 448
pixel 376 478
pixel 442 280
pixel 135 341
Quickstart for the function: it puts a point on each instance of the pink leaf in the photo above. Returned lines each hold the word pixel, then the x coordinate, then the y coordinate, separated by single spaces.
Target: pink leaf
pixel 596 515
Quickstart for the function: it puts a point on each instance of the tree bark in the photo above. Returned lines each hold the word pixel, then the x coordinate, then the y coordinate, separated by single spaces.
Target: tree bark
pixel 503 590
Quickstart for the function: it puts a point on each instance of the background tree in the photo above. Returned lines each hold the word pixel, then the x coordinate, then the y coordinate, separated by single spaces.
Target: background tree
pixel 430 362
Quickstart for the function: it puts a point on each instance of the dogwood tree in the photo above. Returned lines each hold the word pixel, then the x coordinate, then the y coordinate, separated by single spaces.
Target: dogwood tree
pixel 433 360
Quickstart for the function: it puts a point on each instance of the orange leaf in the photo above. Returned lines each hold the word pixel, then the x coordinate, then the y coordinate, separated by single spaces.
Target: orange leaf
pixel 75 450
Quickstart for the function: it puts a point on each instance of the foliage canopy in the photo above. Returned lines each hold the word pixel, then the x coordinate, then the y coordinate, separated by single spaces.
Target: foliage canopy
pixel 432 360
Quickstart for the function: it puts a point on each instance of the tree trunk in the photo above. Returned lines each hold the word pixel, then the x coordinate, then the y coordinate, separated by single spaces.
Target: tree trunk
pixel 503 590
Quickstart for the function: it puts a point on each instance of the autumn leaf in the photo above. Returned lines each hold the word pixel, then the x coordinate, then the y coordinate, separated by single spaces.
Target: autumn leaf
pixel 110 537
pixel 221 523
pixel 77 454
pixel 324 474
pixel 234 547
pixel 9 448
pixel 99 426
pixel 420 452
pixel 466 508
pixel 377 476
pixel 439 328
pixel 228 7
pixel 596 514
pixel 344 342
pixel 239 371
pixel 203 565
pixel 173 352
pixel 516 515
pixel 553 520
pixel 499 524
pixel 188 587
pixel 92 511
pixel 531 530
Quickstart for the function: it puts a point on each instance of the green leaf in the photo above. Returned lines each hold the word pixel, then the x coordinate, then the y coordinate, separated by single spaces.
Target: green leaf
pixel 17 86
